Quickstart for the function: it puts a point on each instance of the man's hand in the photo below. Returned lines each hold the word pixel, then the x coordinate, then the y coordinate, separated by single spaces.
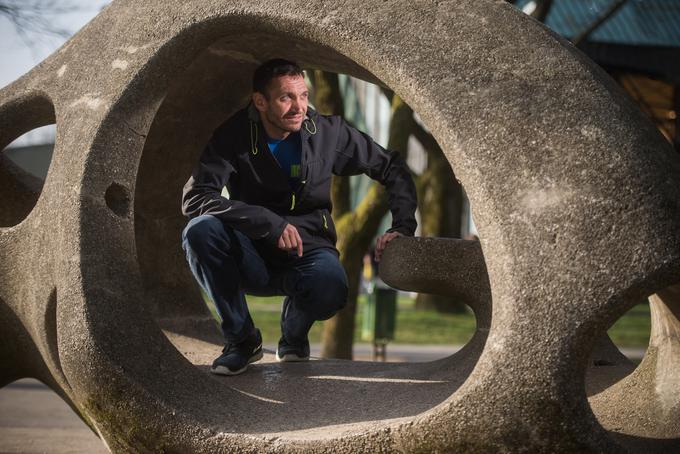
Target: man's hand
pixel 290 239
pixel 382 242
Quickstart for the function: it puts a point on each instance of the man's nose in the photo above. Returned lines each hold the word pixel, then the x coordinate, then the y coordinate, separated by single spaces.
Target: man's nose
pixel 296 106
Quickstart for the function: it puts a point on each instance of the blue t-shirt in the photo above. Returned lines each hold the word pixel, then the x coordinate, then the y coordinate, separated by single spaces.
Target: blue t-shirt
pixel 288 154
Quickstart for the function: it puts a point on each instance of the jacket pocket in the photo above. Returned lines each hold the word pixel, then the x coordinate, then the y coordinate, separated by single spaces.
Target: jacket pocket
pixel 327 225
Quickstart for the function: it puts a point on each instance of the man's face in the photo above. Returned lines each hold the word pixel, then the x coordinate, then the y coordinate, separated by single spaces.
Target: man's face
pixel 286 107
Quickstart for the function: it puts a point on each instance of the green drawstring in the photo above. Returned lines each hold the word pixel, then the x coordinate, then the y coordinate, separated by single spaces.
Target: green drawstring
pixel 253 137
pixel 325 222
pixel 313 124
pixel 292 205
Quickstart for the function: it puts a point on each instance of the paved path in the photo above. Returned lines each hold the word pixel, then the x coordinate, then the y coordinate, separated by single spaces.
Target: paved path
pixel 33 419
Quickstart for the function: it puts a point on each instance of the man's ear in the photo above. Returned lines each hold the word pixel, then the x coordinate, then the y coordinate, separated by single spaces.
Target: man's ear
pixel 259 101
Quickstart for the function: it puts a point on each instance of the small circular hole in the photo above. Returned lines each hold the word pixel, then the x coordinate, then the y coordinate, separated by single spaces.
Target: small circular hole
pixel 118 200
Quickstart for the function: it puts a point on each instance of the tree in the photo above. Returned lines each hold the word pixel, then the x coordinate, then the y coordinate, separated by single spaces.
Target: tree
pixel 32 18
pixel 440 202
pixel 440 199
pixel 356 229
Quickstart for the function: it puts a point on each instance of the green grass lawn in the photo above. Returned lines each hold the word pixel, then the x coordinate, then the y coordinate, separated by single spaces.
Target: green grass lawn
pixel 632 330
pixel 430 327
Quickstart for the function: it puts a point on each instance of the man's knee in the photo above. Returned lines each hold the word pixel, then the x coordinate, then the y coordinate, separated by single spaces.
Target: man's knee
pixel 329 295
pixel 201 230
pixel 327 312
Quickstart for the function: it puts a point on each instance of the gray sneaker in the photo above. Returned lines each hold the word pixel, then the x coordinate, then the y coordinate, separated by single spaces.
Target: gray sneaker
pixel 236 357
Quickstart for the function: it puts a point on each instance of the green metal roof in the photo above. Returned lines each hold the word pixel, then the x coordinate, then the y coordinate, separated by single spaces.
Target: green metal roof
pixel 637 22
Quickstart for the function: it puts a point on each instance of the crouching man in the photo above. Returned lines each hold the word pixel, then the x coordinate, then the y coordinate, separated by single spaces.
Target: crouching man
pixel 274 235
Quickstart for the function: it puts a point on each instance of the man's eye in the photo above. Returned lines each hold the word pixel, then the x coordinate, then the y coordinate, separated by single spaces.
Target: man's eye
pixel 285 98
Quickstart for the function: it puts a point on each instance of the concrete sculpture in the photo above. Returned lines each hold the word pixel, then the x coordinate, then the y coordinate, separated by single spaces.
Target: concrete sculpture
pixel 575 195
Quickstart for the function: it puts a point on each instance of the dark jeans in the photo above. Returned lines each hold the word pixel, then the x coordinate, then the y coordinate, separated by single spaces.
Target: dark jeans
pixel 227 265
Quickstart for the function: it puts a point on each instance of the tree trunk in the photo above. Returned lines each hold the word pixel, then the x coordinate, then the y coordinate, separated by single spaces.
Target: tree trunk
pixel 440 205
pixel 441 201
pixel 327 97
pixel 355 233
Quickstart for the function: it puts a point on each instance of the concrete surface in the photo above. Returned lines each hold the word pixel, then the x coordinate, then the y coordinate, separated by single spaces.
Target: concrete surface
pixel 574 192
pixel 34 419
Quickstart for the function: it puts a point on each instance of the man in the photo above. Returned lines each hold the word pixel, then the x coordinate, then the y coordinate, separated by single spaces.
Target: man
pixel 274 235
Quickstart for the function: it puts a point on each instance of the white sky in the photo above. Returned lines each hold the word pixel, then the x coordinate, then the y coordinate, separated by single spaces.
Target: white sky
pixel 16 58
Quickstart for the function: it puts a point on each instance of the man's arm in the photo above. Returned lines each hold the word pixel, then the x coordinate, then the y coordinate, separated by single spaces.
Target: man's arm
pixel 202 195
pixel 358 153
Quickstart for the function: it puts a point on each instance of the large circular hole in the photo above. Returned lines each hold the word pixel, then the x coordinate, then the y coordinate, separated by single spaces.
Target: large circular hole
pixel 27 142
pixel 350 392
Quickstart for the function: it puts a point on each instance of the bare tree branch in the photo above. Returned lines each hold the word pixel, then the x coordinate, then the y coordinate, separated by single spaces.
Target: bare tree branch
pixel 34 19
pixel 601 19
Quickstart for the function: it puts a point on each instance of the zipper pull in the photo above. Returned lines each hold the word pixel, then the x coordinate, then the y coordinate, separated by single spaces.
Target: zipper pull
pixel 292 205
pixel 325 222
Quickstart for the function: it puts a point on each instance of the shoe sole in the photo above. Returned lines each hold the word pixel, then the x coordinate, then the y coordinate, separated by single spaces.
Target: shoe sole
pixel 221 370
pixel 291 358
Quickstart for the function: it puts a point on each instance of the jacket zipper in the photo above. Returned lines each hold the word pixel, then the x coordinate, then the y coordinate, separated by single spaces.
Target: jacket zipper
pixel 299 190
pixel 304 137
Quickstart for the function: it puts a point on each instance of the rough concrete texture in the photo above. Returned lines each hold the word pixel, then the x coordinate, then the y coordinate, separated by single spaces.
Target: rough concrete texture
pixel 574 192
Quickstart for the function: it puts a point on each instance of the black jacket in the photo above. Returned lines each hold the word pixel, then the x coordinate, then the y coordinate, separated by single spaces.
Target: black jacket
pixel 261 200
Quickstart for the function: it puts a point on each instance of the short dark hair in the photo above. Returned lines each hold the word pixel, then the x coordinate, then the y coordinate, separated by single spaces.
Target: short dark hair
pixel 270 69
